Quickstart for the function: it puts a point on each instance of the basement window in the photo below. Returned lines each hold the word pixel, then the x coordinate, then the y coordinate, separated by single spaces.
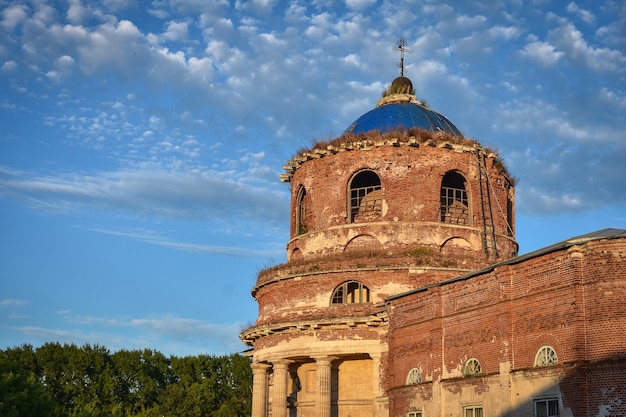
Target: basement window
pixel 454 206
pixel 546 356
pixel 351 292
pixel 472 367
pixel 365 200
pixel 548 407
pixel 414 377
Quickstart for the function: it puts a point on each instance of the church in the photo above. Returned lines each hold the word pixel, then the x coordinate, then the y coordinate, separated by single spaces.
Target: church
pixel 403 294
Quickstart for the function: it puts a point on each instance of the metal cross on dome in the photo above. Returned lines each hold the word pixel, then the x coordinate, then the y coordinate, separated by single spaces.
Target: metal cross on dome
pixel 401 46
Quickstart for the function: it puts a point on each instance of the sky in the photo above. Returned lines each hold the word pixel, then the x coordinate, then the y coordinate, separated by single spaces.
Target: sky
pixel 141 142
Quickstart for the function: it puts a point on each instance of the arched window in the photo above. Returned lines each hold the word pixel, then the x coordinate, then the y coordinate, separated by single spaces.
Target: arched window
pixel 301 227
pixel 414 377
pixel 351 292
pixel 472 367
pixel 546 356
pixel 365 198
pixel 453 199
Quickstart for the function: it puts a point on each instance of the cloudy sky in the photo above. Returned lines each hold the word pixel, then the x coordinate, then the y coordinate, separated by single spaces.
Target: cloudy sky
pixel 141 142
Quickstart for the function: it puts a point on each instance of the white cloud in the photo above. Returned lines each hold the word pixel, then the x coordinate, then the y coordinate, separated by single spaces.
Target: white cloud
pixel 193 195
pixel 546 201
pixel 542 53
pixel 154 238
pixel 13 303
pixel 505 32
pixel 9 66
pixel 585 15
pixel 13 16
pixel 184 335
pixel 168 334
pixel 360 5
pixel 262 7
pixel 176 31
pixel 62 69
pixel 570 40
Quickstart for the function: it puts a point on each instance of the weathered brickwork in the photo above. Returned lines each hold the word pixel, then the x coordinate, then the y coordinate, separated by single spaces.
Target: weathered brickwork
pixel 401 261
pixel 411 179
pixel 571 300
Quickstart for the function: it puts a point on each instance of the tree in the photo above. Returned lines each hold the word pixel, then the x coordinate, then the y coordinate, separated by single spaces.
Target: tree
pixel 88 381
pixel 21 394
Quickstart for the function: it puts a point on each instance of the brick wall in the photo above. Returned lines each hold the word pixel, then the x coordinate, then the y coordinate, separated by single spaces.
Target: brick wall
pixel 572 300
pixel 411 180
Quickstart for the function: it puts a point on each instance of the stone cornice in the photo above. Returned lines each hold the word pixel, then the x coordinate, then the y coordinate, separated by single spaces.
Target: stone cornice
pixel 293 164
pixel 249 336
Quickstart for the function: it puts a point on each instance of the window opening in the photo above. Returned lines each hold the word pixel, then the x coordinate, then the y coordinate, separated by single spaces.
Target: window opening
pixel 546 356
pixel 414 414
pixel 472 367
pixel 547 407
pixel 351 292
pixel 414 377
pixel 365 196
pixel 473 412
pixel 453 199
pixel 509 212
pixel 301 227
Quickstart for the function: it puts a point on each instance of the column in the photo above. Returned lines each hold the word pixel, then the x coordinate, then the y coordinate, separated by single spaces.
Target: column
pixel 381 405
pixel 259 389
pixel 279 399
pixel 323 371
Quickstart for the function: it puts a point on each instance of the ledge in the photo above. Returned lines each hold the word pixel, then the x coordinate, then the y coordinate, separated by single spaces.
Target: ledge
pixel 249 336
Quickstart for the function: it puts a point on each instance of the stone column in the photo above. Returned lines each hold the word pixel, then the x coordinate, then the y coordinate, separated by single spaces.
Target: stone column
pixel 279 399
pixel 322 399
pixel 259 389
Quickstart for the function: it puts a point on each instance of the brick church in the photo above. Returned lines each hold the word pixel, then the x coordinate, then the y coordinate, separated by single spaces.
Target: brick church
pixel 403 294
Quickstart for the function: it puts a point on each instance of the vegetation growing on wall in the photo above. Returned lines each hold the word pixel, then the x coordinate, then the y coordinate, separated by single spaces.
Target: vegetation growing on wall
pixel 422 137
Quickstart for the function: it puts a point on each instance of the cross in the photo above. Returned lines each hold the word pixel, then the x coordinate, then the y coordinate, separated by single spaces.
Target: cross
pixel 401 46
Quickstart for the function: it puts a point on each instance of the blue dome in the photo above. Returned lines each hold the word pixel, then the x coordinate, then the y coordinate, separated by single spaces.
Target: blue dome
pixel 394 116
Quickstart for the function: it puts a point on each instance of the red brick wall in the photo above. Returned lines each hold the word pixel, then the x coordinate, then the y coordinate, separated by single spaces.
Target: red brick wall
pixel 573 300
pixel 411 181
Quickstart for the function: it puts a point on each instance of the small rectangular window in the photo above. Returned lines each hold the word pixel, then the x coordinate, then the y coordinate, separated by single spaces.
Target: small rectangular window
pixel 475 411
pixel 548 407
pixel 414 414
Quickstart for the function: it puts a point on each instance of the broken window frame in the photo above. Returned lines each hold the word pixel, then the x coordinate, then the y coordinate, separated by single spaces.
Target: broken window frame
pixel 351 292
pixel 454 200
pixel 362 199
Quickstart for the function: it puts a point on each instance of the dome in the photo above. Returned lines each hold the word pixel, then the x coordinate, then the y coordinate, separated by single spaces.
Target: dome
pixel 401 110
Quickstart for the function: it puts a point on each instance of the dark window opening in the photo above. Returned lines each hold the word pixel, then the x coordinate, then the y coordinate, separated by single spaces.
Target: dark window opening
pixel 301 227
pixel 509 215
pixel 453 199
pixel 365 196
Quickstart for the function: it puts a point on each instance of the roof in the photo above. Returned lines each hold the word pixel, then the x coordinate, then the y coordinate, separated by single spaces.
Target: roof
pixel 399 109
pixel 406 115
pixel 608 233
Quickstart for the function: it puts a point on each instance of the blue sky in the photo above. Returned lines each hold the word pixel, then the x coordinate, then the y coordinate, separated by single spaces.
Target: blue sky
pixel 141 142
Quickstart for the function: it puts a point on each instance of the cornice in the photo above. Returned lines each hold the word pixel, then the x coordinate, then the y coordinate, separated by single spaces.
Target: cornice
pixel 249 336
